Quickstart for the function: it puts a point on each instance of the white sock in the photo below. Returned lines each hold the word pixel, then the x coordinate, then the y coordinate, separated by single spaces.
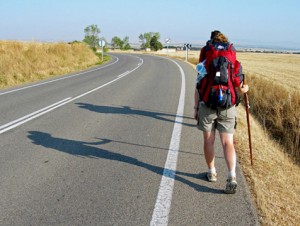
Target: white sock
pixel 231 174
pixel 212 170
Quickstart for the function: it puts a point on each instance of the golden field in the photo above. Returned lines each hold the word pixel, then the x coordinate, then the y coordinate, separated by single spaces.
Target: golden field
pixel 276 97
pixel 282 69
pixel 274 179
pixel 23 62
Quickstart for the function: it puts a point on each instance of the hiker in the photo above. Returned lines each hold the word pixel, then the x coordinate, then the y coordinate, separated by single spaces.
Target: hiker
pixel 203 49
pixel 216 96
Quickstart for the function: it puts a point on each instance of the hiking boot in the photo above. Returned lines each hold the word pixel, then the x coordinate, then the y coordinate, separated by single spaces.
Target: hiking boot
pixel 231 186
pixel 212 177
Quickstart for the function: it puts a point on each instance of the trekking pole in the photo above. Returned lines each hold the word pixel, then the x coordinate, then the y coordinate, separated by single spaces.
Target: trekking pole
pixel 248 123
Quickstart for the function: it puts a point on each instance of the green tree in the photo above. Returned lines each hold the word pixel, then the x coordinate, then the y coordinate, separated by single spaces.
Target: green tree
pixel 126 44
pixel 142 40
pixel 146 38
pixel 117 42
pixel 155 44
pixel 91 36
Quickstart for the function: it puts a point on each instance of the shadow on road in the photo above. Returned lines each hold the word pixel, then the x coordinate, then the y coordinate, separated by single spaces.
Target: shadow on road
pixel 86 150
pixel 126 110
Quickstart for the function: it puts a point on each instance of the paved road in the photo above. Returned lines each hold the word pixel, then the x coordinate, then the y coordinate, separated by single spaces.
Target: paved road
pixel 111 146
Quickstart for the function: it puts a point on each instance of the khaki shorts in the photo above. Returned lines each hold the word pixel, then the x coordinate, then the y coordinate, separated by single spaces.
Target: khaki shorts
pixel 224 120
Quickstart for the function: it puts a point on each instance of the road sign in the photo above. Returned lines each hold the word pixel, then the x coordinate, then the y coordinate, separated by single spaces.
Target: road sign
pixel 188 46
pixel 168 40
pixel 102 43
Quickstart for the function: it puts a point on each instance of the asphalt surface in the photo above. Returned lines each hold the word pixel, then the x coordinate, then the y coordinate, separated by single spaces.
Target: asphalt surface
pixel 90 148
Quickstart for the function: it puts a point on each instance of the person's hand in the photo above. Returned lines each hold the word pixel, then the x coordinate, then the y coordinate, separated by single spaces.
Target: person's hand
pixel 243 88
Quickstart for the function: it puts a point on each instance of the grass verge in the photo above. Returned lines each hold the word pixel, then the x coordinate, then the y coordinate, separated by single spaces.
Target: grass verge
pixel 274 179
pixel 23 62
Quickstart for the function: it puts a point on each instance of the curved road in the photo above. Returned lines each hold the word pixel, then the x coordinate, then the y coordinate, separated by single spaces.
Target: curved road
pixel 111 146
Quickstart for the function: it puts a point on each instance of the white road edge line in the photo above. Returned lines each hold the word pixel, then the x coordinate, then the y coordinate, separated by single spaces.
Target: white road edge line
pixel 31 116
pixel 162 207
pixel 124 74
pixel 33 113
pixel 55 80
pixel 49 108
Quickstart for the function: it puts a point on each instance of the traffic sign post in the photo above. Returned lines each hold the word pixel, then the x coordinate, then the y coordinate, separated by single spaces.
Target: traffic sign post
pixel 102 44
pixel 187 47
pixel 168 40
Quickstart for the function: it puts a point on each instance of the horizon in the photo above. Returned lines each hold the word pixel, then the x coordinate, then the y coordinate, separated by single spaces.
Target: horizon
pixel 198 45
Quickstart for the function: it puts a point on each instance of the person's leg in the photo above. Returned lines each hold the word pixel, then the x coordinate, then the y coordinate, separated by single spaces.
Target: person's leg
pixel 230 157
pixel 226 122
pixel 229 151
pixel 209 152
pixel 206 123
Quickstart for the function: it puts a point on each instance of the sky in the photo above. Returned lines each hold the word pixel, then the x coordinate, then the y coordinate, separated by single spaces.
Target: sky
pixel 267 23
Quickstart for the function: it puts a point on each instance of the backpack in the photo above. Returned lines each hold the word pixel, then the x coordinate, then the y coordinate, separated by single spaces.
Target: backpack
pixel 217 88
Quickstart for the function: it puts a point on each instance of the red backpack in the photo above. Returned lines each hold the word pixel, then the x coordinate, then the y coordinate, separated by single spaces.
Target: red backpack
pixel 217 88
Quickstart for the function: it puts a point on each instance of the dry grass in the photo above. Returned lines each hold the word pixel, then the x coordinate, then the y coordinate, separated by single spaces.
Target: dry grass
pixel 27 62
pixel 275 124
pixel 283 69
pixel 274 179
pixel 275 97
pixel 277 109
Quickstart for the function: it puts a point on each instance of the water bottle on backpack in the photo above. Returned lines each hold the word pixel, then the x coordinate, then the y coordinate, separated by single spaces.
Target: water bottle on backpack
pixel 220 95
pixel 200 68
